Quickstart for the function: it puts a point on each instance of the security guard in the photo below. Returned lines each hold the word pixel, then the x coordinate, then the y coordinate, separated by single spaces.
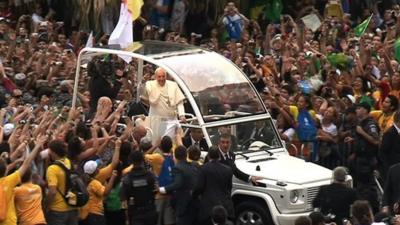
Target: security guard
pixel 366 143
pixel 138 191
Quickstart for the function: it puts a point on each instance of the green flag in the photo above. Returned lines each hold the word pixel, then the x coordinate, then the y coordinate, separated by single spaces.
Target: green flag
pixel 360 29
pixel 273 10
pixel 340 61
pixel 397 50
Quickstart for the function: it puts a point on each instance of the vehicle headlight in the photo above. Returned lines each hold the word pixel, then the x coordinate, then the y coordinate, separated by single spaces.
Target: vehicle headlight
pixel 294 196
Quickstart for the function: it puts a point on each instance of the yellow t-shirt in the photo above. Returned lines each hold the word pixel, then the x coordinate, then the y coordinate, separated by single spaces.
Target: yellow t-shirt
pixel 95 203
pixel 104 174
pixel 384 121
pixel 8 184
pixel 156 160
pixel 101 177
pixel 28 204
pixel 56 177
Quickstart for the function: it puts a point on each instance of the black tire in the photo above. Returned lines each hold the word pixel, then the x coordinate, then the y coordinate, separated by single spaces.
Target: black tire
pixel 252 213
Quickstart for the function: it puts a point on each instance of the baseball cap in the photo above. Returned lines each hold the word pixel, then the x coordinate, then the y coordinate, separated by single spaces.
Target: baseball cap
pixel 364 105
pixel 351 98
pixel 8 128
pixel 90 167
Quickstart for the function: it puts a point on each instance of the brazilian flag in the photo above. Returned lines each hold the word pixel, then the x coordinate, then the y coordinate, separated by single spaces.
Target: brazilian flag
pixel 360 29
pixel 397 50
pixel 271 9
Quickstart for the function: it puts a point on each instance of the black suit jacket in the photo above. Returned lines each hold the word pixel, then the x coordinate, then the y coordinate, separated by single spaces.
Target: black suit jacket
pixel 215 186
pixel 187 142
pixel 231 163
pixel 390 148
pixel 391 193
pixel 265 135
pixel 185 176
pixel 336 199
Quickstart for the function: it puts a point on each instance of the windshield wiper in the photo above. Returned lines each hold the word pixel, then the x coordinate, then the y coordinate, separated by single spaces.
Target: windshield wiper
pixel 265 148
pixel 241 154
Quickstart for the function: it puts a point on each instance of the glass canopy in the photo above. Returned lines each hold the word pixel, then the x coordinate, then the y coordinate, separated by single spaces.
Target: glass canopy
pixel 219 88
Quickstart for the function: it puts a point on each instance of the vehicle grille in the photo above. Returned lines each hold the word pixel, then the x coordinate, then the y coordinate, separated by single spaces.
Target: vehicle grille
pixel 311 194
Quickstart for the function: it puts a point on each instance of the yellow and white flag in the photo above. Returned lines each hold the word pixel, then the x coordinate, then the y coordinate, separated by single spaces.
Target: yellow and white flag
pixel 123 32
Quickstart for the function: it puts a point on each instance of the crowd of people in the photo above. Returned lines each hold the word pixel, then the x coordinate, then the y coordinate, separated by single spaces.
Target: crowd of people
pixel 333 94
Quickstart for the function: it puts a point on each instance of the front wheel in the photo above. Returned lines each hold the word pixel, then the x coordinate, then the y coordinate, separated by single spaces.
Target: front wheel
pixel 252 213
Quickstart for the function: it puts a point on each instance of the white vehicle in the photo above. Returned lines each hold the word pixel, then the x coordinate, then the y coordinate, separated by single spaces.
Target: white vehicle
pixel 220 96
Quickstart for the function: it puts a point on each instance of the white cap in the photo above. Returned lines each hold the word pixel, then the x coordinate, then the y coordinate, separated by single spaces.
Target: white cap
pixel 90 167
pixel 352 99
pixel 8 128
pixel 20 76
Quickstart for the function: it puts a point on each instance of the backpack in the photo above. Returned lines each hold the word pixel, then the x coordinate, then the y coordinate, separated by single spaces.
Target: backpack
pixel 165 176
pixel 76 193
pixel 140 186
pixel 3 205
pixel 306 129
pixel 233 28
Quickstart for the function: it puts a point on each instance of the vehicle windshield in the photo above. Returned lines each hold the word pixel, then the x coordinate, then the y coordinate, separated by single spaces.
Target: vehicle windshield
pixel 220 90
pixel 248 136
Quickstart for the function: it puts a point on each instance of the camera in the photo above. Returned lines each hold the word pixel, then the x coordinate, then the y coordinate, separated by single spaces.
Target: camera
pixel 100 67
pixel 286 18
pixel 329 218
pixel 196 35
pixel 120 129
pixel 58 63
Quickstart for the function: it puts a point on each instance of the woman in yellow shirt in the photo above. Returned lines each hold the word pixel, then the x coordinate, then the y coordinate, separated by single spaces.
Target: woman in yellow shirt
pixel 94 209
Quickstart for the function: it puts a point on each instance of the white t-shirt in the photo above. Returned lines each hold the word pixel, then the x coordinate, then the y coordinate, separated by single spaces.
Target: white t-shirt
pixel 330 129
pixel 290 133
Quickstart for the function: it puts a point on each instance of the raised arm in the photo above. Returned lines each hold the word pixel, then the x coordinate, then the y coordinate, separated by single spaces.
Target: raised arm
pixel 115 159
pixel 38 145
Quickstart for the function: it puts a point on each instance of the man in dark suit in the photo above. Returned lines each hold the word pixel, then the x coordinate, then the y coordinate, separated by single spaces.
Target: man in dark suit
pixel 225 130
pixel 196 138
pixel 391 193
pixel 215 186
pixel 227 157
pixel 261 133
pixel 390 146
pixel 185 176
pixel 336 198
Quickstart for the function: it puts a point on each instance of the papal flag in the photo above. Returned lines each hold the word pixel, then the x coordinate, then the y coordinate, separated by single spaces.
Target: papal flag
pixel 123 32
pixel 362 27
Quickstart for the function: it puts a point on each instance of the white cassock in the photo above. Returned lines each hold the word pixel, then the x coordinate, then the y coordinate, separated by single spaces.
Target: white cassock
pixel 166 104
